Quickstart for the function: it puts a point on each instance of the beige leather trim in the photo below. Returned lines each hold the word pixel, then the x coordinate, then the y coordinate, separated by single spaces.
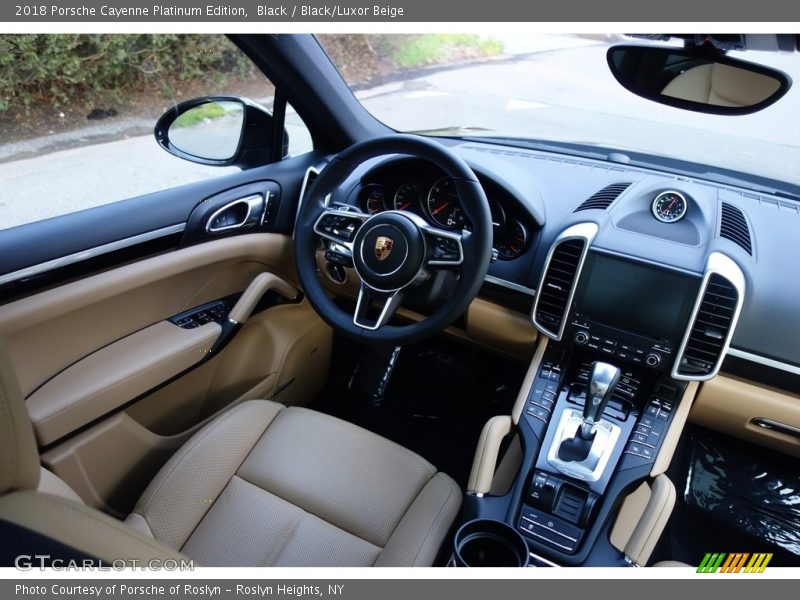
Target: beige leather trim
pixel 81 527
pixel 75 319
pixel 728 404
pixel 115 375
pixel 499 327
pixel 630 513
pixel 111 463
pixel 673 434
pixel 651 525
pixel 19 457
pixel 138 523
pixel 530 377
pixel 255 291
pixel 483 466
pixel 50 483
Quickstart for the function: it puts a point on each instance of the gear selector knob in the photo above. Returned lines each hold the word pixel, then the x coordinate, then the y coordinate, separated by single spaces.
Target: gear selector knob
pixel 602 383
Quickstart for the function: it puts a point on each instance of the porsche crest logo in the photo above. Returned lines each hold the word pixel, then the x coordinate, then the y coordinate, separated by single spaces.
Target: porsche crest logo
pixel 383 247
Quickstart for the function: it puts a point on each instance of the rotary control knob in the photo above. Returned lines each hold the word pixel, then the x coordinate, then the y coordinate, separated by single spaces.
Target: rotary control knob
pixel 652 360
pixel 581 337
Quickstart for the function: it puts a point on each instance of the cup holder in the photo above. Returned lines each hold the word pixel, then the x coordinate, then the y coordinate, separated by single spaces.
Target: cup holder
pixel 487 543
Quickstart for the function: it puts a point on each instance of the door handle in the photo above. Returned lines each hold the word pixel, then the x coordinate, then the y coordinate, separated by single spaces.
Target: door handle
pixel 242 212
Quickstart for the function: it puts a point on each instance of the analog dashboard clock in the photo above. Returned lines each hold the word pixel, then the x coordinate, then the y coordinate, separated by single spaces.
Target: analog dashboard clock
pixel 669 206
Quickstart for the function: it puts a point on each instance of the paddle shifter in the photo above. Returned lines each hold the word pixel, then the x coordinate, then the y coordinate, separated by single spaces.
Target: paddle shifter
pixel 603 381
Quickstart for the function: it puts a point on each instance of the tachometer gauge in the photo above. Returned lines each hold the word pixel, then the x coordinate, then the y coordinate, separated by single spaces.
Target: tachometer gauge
pixel 444 206
pixel 407 196
pixel 373 198
pixel 669 207
pixel 513 241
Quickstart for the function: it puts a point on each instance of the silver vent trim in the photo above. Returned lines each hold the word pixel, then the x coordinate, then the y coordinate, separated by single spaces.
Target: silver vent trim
pixel 721 265
pixel 580 231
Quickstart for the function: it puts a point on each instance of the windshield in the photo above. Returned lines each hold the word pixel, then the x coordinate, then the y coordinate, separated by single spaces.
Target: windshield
pixel 557 88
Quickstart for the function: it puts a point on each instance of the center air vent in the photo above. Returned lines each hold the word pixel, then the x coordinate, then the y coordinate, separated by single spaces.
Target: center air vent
pixel 561 273
pixel 603 199
pixel 712 325
pixel 733 227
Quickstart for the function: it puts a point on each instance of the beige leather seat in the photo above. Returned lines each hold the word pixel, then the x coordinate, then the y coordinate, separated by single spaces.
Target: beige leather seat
pixel 261 485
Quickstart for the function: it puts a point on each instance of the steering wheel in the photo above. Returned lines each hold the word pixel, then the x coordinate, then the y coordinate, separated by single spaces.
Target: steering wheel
pixel 393 251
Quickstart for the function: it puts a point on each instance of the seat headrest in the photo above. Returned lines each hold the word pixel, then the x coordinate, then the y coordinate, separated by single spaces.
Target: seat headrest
pixel 19 456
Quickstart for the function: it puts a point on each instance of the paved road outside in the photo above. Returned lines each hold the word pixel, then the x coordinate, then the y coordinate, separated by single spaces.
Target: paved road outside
pixel 529 92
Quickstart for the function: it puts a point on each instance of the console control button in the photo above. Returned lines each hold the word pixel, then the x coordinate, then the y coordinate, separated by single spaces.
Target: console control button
pixel 581 337
pixel 652 359
pixel 549 529
pixel 551 386
pixel 639 450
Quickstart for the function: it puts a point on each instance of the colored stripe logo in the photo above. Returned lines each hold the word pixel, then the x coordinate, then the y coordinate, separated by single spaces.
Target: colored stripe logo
pixel 738 562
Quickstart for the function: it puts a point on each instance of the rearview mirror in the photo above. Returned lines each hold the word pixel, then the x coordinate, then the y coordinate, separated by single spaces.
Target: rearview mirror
pixel 219 131
pixel 697 79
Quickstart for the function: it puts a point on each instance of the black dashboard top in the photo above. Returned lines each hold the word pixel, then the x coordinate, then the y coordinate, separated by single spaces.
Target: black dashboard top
pixel 654 217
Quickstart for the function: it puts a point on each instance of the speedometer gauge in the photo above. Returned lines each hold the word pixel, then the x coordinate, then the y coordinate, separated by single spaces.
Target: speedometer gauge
pixel 669 207
pixel 407 196
pixel 444 206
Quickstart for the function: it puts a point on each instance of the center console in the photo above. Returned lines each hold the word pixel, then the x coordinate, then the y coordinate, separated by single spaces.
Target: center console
pixel 607 393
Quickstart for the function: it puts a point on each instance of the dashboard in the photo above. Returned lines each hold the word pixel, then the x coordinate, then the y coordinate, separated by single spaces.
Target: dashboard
pixel 654 218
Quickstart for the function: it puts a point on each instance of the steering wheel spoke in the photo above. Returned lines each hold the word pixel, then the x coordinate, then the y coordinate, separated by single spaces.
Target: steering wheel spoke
pixel 444 248
pixel 388 303
pixel 339 226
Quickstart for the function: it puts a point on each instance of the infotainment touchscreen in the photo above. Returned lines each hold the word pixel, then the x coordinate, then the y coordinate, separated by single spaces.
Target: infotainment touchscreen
pixel 635 297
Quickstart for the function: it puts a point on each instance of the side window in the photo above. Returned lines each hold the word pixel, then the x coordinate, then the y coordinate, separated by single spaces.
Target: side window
pixel 77 114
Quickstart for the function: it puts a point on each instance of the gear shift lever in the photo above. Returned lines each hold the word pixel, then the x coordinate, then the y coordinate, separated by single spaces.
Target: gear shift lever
pixel 583 444
pixel 603 381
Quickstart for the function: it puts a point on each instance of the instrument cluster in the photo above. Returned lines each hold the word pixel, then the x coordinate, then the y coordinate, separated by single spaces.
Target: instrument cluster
pixel 436 200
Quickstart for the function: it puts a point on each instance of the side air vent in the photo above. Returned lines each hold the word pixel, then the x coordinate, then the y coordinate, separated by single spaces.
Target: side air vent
pixel 713 322
pixel 733 226
pixel 555 290
pixel 603 199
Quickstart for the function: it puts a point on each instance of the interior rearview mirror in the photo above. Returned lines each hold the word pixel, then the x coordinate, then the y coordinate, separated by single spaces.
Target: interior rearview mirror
pixel 219 131
pixel 696 79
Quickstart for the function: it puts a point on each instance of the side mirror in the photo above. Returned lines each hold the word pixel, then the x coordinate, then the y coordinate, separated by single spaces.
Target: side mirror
pixel 219 131
pixel 698 79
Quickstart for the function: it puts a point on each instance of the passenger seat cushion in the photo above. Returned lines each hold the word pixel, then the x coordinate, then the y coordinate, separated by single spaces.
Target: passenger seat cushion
pixel 192 480
pixel 266 485
pixel 251 527
pixel 342 473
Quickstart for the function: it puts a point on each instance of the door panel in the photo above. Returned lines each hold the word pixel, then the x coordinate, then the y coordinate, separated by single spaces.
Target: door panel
pixel 54 337
pixel 76 319
pixel 109 378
